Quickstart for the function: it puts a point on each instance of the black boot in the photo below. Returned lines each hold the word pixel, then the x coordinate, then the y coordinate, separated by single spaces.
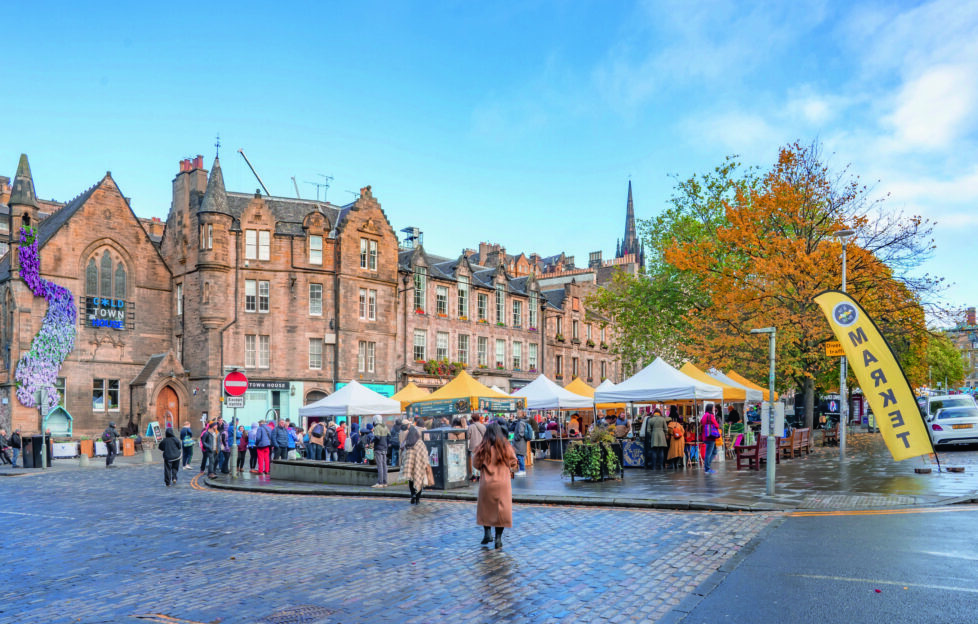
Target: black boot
pixel 499 537
pixel 487 537
pixel 417 499
pixel 414 493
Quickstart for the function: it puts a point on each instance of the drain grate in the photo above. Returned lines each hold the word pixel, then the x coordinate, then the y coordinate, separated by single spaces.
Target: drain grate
pixel 299 614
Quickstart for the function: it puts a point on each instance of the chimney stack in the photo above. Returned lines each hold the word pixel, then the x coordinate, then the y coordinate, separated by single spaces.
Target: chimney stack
pixel 971 317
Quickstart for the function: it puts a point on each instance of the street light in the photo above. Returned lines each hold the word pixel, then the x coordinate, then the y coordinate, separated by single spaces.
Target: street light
pixel 772 447
pixel 843 235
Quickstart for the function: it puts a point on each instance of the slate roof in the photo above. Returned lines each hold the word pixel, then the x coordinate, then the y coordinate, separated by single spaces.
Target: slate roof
pixel 555 298
pixel 287 213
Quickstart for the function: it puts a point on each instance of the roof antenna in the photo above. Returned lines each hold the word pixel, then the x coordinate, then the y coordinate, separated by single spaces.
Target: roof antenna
pixel 217 146
pixel 241 151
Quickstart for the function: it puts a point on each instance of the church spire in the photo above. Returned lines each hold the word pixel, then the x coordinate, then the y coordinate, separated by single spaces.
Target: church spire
pixel 630 244
pixel 22 191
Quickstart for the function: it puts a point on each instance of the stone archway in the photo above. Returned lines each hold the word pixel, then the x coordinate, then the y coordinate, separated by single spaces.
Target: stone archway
pixel 314 395
pixel 168 408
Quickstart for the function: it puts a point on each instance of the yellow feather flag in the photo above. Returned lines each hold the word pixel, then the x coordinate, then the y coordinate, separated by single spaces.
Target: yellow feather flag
pixel 882 380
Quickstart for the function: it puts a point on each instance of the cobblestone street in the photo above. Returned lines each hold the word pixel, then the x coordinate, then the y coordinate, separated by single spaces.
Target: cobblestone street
pixel 117 546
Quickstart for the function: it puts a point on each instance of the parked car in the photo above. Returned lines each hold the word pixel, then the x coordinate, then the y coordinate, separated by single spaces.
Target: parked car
pixel 953 425
pixel 930 404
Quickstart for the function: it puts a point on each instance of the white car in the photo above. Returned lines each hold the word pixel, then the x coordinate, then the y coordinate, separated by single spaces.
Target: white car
pixel 930 405
pixel 954 425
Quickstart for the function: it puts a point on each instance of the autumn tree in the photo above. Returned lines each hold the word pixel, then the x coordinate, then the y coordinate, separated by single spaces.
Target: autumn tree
pixel 944 363
pixel 650 310
pixel 775 250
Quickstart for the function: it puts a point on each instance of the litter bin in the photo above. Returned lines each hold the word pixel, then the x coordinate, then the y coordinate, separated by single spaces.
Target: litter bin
pixel 448 457
pixel 32 451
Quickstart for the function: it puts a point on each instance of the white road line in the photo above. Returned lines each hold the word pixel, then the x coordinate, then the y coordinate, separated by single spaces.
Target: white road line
pixel 969 590
pixel 35 515
pixel 950 555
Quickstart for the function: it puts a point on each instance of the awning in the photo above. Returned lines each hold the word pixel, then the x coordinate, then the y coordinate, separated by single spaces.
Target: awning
pixel 751 394
pixel 659 382
pixel 352 399
pixel 730 393
pixel 750 384
pixel 542 393
pixel 409 394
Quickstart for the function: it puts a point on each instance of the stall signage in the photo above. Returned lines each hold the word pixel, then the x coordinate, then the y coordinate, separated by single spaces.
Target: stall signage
pixel 109 313
pixel 500 405
pixel 445 407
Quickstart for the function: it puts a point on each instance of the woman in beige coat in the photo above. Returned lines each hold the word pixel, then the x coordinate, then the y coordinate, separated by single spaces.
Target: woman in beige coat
pixel 497 462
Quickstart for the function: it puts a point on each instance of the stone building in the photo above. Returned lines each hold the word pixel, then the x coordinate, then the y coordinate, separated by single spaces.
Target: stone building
pixel 121 362
pixel 299 294
pixel 505 330
pixel 965 337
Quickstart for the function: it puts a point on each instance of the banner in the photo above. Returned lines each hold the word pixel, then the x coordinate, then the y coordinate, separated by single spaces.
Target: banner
pixel 882 380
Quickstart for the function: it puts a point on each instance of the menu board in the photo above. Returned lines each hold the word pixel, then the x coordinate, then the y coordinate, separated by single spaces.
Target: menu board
pixel 500 405
pixel 445 407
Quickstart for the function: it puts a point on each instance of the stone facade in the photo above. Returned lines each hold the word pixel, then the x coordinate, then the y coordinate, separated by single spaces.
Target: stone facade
pixel 97 248
pixel 438 330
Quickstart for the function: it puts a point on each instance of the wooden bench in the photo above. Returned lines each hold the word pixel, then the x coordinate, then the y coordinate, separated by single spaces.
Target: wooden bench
pixel 830 436
pixel 752 455
pixel 801 441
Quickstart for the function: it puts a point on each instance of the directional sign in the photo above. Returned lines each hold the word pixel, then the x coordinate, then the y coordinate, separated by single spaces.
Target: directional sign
pixel 234 401
pixel 833 348
pixel 235 384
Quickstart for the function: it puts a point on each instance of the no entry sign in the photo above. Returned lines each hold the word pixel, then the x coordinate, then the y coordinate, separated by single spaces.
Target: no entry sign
pixel 235 384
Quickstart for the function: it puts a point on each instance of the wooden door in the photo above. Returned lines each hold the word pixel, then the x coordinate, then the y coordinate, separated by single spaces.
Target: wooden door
pixel 168 409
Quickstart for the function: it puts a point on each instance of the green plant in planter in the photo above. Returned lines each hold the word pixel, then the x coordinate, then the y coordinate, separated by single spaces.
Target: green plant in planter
pixel 593 458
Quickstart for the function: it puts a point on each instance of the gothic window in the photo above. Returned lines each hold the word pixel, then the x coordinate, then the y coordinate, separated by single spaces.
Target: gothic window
pixel 105 285
pixel 120 281
pixel 91 279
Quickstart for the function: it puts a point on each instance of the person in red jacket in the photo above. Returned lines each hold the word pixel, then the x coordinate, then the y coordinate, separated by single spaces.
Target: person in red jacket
pixel 341 441
pixel 711 433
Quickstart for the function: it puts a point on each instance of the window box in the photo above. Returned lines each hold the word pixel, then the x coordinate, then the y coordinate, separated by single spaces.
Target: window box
pixel 440 315
pixel 419 311
pixel 484 321
pixel 516 369
pixel 500 366
pixel 559 337
pixel 482 366
pixel 604 345
pixel 590 342
pixel 500 324
pixel 419 361
pixel 575 341
pixel 531 328
pixel 558 376
pixel 531 370
pixel 463 318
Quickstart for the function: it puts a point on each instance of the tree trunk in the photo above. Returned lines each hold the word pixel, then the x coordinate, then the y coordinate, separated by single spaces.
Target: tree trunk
pixel 810 403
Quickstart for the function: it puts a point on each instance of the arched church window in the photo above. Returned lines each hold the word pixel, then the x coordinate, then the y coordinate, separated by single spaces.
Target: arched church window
pixel 105 285
pixel 120 281
pixel 91 279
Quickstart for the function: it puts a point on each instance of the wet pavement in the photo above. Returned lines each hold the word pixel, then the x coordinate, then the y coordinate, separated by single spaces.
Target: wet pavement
pixel 116 546
pixel 869 478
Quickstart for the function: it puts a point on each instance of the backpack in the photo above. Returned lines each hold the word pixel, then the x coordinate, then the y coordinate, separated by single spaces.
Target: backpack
pixel 525 430
pixel 677 433
pixel 318 430
pixel 106 436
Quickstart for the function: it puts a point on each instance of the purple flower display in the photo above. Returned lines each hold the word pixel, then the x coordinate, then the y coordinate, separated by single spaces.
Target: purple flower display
pixel 38 368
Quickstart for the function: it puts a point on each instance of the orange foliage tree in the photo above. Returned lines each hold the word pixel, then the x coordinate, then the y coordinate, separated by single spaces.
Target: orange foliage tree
pixel 776 251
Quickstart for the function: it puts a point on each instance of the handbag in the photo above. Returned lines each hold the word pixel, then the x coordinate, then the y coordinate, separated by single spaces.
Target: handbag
pixel 348 444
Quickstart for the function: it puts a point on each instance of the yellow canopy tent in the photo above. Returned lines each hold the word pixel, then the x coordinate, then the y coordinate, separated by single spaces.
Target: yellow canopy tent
pixel 464 394
pixel 730 393
pixel 750 384
pixel 409 394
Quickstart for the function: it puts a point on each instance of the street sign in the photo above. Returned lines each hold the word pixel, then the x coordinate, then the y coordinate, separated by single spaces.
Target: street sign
pixel 833 348
pixel 234 401
pixel 235 384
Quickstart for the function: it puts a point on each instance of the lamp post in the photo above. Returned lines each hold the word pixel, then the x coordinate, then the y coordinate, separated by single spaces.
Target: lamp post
pixel 772 446
pixel 843 235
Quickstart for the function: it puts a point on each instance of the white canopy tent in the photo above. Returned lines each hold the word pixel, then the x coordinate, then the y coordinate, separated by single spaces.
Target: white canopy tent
pixel 352 399
pixel 658 382
pixel 542 393
pixel 752 394
pixel 500 390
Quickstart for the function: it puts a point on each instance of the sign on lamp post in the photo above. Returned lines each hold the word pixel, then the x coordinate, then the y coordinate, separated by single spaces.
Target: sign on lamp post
pixel 235 385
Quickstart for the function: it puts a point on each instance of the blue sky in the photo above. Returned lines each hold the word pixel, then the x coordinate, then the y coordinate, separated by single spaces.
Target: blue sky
pixel 514 122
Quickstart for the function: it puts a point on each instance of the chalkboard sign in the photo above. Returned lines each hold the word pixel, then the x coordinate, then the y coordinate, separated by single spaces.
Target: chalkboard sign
pixel 157 434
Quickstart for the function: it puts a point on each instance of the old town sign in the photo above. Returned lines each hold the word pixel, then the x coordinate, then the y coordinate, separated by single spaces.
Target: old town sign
pixel 102 312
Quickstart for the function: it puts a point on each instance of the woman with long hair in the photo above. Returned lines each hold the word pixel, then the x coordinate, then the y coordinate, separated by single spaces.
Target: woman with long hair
pixel 496 461
pixel 417 469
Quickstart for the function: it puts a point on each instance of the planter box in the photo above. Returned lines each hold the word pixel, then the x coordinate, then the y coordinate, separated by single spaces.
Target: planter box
pixel 64 450
pixel 87 447
pixel 128 447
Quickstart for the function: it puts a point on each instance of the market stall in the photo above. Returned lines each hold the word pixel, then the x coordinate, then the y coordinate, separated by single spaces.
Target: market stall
pixel 409 394
pixel 352 401
pixel 746 382
pixel 463 395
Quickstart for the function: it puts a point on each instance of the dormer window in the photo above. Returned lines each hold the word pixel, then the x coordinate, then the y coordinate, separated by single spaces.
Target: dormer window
pixel 257 244
pixel 315 250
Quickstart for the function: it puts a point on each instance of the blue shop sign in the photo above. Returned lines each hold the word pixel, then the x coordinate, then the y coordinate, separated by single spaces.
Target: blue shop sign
pixel 387 390
pixel 103 312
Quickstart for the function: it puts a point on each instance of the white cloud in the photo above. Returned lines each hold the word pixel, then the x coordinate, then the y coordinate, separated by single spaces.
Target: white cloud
pixel 935 109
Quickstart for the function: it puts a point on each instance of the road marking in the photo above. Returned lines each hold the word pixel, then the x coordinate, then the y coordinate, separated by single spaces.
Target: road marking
pixel 882 512
pixel 164 619
pixel 968 590
pixel 35 515
pixel 949 555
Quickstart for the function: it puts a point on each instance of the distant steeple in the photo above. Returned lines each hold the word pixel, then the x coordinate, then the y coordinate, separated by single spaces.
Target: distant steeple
pixel 215 197
pixel 630 243
pixel 22 191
